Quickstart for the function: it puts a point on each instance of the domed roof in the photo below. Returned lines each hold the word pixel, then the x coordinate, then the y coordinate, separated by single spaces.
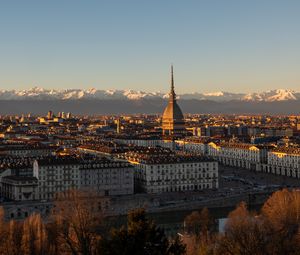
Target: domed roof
pixel 173 111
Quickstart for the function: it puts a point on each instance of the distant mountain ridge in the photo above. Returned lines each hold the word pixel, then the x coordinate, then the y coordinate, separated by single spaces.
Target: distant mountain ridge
pixel 72 94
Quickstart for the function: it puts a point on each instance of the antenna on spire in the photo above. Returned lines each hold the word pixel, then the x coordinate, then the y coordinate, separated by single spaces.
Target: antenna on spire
pixel 172 93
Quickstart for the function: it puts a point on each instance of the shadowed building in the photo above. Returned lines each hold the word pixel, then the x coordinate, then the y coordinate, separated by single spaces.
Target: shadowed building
pixel 172 119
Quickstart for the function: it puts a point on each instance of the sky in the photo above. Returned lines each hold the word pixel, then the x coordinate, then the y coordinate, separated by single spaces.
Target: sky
pixel 214 45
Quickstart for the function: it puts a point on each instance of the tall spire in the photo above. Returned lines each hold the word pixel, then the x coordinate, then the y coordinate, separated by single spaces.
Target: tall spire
pixel 172 92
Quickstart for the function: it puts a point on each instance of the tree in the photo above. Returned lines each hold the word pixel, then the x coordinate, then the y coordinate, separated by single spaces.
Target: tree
pixel 77 215
pixel 199 228
pixel 53 238
pixel 176 247
pixel 34 238
pixel 3 230
pixel 282 213
pixel 245 234
pixel 199 223
pixel 13 242
pixel 141 236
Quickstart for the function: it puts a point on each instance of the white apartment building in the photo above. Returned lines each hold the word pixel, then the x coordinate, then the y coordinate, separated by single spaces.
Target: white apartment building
pixel 280 161
pixel 284 161
pixel 167 172
pixel 242 155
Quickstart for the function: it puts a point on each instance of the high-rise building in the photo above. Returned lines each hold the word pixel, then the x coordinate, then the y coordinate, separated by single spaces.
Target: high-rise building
pixel 172 119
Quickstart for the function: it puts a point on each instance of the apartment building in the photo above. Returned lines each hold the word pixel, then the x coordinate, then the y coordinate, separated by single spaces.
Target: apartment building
pixel 106 177
pixel 159 170
pixel 242 155
pixel 284 161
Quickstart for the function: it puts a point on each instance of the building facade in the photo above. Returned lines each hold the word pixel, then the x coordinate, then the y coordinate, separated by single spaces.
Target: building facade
pixel 56 175
pixel 160 170
pixel 242 155
pixel 19 188
pixel 284 161
pixel 103 176
pixel 107 178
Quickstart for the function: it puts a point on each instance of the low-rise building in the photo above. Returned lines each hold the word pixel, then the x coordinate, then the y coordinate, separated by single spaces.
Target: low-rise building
pixel 19 188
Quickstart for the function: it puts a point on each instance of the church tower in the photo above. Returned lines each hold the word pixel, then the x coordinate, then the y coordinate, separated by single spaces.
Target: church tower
pixel 172 119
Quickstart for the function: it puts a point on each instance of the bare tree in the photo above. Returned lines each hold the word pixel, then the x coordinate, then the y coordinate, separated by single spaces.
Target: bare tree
pixel 34 238
pixel 13 242
pixel 245 234
pixel 77 215
pixel 3 230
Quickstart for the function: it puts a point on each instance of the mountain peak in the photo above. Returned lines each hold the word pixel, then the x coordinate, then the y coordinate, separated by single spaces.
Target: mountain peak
pixel 272 95
pixel 113 94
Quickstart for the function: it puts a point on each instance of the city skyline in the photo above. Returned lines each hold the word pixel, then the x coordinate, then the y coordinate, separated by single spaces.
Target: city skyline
pixel 214 46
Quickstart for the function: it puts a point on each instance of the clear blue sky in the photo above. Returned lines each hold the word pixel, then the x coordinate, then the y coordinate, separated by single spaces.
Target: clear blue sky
pixel 229 45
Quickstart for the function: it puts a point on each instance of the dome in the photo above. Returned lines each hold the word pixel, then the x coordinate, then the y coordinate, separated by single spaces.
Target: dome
pixel 173 112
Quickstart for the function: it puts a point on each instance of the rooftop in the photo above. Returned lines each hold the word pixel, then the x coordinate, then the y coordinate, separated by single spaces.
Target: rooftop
pixel 160 156
pixel 287 150
pixel 83 161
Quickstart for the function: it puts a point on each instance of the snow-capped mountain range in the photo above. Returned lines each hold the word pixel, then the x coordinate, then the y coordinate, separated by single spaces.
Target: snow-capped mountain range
pixel 69 94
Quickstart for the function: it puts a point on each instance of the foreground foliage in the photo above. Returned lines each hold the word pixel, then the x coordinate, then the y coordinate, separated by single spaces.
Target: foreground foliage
pixel 273 231
pixel 73 228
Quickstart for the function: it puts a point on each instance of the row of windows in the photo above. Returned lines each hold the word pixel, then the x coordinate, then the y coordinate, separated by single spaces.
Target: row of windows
pixel 179 177
pixel 182 165
pixel 58 177
pixel 181 171
pixel 180 188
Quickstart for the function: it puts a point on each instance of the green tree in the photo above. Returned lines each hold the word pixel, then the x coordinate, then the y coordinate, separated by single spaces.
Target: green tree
pixel 140 237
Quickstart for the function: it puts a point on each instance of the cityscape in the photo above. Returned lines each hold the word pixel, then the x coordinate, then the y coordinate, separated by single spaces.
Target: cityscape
pixel 159 164
pixel 163 163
